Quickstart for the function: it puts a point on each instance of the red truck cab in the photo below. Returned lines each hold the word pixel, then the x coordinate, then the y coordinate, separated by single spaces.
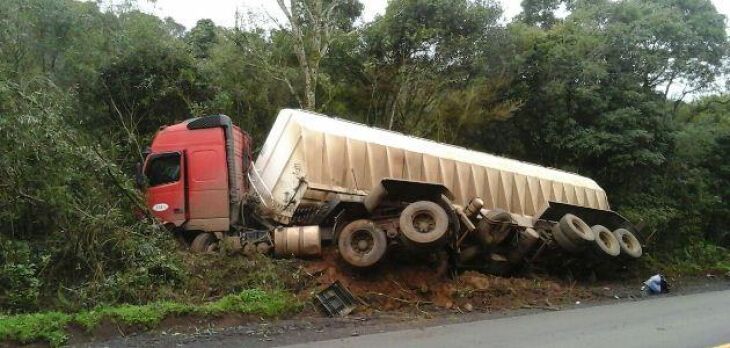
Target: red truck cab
pixel 196 174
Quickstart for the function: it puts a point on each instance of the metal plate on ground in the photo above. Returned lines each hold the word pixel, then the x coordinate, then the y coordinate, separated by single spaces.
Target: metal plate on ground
pixel 336 300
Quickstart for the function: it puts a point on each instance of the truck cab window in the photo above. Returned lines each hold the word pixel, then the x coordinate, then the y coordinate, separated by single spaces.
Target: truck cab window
pixel 163 169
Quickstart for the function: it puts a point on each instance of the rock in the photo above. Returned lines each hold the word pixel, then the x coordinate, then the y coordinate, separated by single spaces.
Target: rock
pixel 468 307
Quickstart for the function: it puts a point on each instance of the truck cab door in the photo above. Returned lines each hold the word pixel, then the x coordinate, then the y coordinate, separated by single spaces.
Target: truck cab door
pixel 165 175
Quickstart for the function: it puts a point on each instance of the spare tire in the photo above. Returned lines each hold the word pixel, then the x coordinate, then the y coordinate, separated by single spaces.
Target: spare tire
pixel 424 222
pixel 564 242
pixel 606 241
pixel 361 244
pixel 628 242
pixel 576 229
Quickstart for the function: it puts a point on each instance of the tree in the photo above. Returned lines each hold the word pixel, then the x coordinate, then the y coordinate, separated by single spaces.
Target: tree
pixel 249 80
pixel 420 50
pixel 313 25
pixel 201 38
pixel 152 80
pixel 539 12
pixel 666 42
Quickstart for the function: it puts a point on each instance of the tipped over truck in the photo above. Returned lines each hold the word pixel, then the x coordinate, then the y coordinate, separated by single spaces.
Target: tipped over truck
pixel 366 190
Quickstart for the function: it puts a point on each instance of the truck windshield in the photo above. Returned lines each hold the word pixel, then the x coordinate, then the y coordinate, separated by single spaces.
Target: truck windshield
pixel 163 169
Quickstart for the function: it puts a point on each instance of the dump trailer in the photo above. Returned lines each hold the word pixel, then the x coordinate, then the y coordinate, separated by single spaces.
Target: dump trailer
pixel 322 179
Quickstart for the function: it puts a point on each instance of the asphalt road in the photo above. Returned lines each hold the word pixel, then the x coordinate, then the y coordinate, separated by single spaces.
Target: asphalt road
pixel 698 320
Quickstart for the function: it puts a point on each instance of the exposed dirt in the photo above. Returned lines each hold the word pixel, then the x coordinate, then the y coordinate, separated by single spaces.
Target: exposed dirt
pixel 398 294
pixel 416 287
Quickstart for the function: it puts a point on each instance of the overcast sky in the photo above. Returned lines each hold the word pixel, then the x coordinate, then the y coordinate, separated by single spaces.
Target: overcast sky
pixel 222 12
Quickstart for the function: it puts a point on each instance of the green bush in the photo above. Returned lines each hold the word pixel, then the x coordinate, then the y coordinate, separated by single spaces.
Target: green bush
pixel 20 285
pixel 67 211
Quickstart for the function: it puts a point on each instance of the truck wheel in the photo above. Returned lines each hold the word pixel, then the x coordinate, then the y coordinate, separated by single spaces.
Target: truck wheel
pixel 628 242
pixel 423 222
pixel 606 241
pixel 576 229
pixel 204 242
pixel 361 244
pixel 564 242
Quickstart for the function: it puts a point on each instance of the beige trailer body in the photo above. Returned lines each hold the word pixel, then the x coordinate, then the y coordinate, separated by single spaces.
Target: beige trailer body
pixel 308 157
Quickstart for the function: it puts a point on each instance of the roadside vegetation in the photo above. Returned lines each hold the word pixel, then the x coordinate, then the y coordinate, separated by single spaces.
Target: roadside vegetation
pixel 52 326
pixel 633 93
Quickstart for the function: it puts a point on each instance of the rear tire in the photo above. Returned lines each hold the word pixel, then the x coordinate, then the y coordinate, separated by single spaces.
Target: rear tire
pixel 203 243
pixel 576 229
pixel 628 242
pixel 424 222
pixel 564 242
pixel 606 241
pixel 361 244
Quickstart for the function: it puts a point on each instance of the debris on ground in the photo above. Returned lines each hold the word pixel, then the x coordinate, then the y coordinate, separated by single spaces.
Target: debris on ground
pixel 413 287
pixel 656 284
pixel 336 300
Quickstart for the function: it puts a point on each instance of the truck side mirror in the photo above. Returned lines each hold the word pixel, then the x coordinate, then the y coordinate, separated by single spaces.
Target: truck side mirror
pixel 139 178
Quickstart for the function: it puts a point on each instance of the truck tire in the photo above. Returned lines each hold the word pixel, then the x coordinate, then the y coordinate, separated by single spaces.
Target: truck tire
pixel 628 242
pixel 204 242
pixel 606 241
pixel 575 229
pixel 564 242
pixel 361 244
pixel 424 222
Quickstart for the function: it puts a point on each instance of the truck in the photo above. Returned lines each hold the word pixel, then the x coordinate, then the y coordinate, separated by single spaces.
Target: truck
pixel 320 180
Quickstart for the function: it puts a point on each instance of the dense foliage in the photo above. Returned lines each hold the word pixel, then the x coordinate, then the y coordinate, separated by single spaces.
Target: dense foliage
pixel 628 92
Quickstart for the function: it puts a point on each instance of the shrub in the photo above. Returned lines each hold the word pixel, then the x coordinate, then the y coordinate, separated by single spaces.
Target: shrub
pixel 67 213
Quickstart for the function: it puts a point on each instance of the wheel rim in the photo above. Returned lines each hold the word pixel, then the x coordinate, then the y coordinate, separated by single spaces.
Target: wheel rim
pixel 423 222
pixel 577 227
pixel 628 241
pixel 362 241
pixel 608 242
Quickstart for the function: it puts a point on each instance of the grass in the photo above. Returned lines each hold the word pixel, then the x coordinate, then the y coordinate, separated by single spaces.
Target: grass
pixel 51 326
pixel 26 328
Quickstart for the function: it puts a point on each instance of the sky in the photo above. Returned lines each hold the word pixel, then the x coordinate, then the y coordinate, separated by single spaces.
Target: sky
pixel 222 12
